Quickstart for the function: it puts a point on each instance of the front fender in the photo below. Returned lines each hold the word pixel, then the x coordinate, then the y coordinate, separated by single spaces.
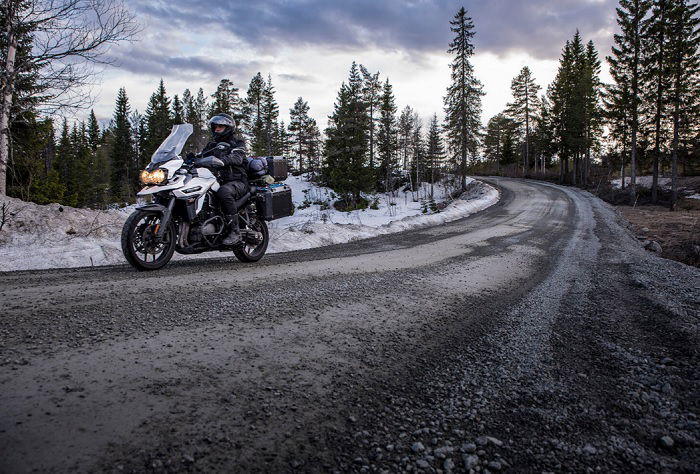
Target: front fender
pixel 152 207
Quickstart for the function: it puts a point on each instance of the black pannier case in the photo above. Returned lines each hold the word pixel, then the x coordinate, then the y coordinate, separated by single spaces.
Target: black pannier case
pixel 275 202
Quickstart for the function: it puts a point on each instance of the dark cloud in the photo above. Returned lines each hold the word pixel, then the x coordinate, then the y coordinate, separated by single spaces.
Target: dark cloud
pixel 539 27
pixel 140 60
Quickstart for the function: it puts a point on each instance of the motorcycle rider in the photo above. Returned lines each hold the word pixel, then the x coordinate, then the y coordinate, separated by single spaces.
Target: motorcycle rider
pixel 227 146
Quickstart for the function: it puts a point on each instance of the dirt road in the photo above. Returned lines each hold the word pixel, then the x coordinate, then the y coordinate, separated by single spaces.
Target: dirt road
pixel 534 336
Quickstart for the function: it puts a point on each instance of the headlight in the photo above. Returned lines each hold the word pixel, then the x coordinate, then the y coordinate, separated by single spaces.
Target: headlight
pixel 158 176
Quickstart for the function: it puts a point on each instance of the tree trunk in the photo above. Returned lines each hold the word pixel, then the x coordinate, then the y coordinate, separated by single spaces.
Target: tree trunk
pixel 674 156
pixel 6 104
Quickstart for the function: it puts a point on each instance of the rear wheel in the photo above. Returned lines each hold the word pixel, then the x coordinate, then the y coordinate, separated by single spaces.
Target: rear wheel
pixel 139 243
pixel 252 252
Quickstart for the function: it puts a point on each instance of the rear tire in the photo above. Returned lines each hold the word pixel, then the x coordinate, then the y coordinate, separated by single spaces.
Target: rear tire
pixel 138 241
pixel 249 252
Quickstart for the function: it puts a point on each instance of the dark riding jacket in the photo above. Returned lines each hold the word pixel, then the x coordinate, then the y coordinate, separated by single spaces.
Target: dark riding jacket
pixel 233 155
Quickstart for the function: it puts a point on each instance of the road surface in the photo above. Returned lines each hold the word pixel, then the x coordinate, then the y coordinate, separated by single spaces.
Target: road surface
pixel 535 336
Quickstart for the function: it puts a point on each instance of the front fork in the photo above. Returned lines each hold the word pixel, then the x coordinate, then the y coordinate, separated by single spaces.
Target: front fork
pixel 165 220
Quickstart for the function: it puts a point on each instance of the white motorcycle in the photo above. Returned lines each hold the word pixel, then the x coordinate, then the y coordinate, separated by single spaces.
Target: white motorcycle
pixel 185 216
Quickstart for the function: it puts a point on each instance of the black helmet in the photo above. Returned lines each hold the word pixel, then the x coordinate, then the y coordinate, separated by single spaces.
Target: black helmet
pixel 227 121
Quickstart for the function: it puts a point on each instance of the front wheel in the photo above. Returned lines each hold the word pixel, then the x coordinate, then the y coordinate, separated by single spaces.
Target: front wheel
pixel 252 252
pixel 139 243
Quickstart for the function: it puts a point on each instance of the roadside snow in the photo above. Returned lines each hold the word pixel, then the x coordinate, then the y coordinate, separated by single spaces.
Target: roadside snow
pixel 643 181
pixel 54 236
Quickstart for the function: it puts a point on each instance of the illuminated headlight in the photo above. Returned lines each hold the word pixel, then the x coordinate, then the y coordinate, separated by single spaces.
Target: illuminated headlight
pixel 158 176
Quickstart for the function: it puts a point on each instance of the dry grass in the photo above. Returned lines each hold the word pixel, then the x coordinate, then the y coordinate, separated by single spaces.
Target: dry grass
pixel 677 232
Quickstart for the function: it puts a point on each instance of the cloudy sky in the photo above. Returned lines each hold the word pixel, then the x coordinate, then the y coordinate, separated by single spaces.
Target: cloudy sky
pixel 307 47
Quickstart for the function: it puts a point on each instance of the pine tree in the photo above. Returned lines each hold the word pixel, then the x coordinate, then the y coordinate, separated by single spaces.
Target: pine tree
pixel 386 137
pixel 371 92
pixel 463 99
pixel 227 101
pixel 256 126
pixel 625 68
pixel 158 119
pixel 122 149
pixel 684 63
pixel 524 107
pixel 270 113
pixel 195 114
pixel 298 127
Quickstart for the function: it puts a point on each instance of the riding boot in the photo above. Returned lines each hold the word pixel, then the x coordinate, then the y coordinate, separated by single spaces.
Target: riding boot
pixel 234 233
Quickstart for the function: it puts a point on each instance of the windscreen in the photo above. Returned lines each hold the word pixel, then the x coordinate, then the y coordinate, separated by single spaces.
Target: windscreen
pixel 172 146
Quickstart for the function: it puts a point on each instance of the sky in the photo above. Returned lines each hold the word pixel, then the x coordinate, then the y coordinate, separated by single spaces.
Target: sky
pixel 307 47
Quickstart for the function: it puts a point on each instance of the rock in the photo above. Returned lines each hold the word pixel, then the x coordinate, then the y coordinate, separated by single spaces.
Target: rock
pixel 469 448
pixel 645 229
pixel 448 465
pixel 470 462
pixel 494 441
pixel 667 442
pixel 653 246
pixel 187 458
pixel 417 447
pixel 495 466
pixel 482 441
pixel 423 464
pixel 588 449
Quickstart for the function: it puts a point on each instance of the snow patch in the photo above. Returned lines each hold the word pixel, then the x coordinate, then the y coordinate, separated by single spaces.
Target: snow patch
pixel 54 236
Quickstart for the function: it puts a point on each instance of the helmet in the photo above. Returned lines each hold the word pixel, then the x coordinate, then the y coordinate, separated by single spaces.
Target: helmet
pixel 227 121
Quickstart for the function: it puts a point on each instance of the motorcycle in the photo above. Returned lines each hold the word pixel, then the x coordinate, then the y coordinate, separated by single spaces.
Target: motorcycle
pixel 185 215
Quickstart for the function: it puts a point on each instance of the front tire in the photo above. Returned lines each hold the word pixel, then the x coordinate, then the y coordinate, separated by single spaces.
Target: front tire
pixel 139 244
pixel 253 252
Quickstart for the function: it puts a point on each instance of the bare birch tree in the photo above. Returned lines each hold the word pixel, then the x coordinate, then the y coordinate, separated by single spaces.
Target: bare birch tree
pixel 69 40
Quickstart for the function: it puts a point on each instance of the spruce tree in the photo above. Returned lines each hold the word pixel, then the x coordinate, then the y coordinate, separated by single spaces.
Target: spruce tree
pixel 178 111
pixel 625 69
pixel 121 150
pixel 418 151
pixel 435 152
pixel 158 119
pixel 463 99
pixel 405 135
pixel 684 64
pixel 494 139
pixel 386 137
pixel 656 77
pixel 346 169
pixel 524 107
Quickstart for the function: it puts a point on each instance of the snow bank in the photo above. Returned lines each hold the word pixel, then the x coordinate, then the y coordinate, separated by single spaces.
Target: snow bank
pixel 53 236
pixel 643 181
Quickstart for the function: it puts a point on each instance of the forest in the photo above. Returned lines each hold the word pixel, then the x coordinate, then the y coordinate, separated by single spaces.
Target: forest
pixel 578 131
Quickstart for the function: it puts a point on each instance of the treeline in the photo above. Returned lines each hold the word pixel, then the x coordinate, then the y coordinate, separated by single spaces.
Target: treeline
pixel 88 166
pixel 646 121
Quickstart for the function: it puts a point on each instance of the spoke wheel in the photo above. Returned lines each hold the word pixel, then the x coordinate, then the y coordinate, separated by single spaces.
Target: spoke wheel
pixel 139 243
pixel 254 252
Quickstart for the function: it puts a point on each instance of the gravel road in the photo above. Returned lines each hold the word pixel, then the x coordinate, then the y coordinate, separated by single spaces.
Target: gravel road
pixel 535 336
